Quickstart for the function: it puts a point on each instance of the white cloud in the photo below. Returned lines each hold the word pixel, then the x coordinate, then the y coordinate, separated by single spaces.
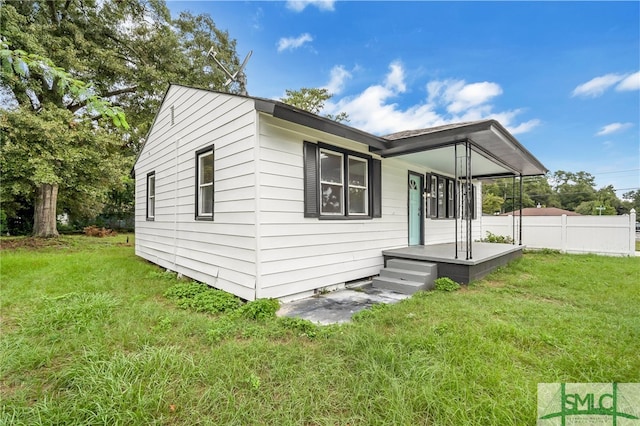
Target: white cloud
pixel 613 128
pixel 447 101
pixel 339 75
pixel 460 96
pixel 597 86
pixel 395 79
pixel 293 42
pixel 525 127
pixel 631 82
pixel 300 5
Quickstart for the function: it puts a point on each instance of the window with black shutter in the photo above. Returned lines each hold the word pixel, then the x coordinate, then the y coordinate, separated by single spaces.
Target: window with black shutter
pixel 340 184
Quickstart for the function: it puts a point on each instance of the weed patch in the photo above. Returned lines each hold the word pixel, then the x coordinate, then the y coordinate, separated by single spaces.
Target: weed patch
pixel 260 309
pixel 446 284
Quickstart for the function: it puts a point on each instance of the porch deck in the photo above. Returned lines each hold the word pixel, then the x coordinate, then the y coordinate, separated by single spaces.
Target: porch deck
pixel 486 257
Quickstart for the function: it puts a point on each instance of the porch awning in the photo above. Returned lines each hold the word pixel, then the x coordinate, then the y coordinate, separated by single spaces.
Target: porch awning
pixel 494 151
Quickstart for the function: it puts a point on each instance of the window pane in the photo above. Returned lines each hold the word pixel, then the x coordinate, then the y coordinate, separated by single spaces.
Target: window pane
pixel 450 194
pixel 357 200
pixel 441 199
pixel 152 207
pixel 152 186
pixel 331 199
pixel 357 172
pixel 206 168
pixel 330 167
pixel 206 200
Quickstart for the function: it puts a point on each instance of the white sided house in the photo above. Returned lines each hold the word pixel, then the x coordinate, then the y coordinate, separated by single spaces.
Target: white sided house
pixel 263 200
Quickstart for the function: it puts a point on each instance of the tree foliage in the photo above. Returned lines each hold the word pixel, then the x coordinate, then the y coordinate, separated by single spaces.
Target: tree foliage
pixel 312 100
pixel 79 62
pixel 566 190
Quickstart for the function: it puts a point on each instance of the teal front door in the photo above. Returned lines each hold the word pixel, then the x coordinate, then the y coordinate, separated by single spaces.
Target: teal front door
pixel 416 221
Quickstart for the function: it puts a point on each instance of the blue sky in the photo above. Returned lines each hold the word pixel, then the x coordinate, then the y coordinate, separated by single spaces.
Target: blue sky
pixel 563 77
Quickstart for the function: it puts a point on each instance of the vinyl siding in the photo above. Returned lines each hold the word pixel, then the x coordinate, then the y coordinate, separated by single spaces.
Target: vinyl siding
pixel 298 254
pixel 222 252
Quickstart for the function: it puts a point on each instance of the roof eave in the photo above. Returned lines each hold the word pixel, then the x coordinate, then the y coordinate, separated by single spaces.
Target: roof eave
pixel 461 134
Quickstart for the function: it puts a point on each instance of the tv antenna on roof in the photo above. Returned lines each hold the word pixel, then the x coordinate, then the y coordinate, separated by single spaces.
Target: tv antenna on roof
pixel 236 77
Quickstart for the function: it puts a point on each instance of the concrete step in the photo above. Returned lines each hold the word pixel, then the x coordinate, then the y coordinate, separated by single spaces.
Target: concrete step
pixel 413 265
pixel 400 286
pixel 405 275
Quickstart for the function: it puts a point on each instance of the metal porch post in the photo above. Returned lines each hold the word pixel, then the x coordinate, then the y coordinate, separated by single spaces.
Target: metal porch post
pixel 520 230
pixel 468 201
pixel 455 190
pixel 513 209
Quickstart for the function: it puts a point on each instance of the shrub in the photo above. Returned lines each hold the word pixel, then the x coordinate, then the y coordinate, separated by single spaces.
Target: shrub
pixel 212 301
pixel 261 309
pixel 493 238
pixel 94 231
pixel 3 222
pixel 446 284
pixel 183 290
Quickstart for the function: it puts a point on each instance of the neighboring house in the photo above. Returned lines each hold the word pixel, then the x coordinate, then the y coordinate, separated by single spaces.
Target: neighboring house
pixel 261 199
pixel 541 211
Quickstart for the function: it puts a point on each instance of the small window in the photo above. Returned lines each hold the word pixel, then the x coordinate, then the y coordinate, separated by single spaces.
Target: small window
pixel 433 196
pixel 331 183
pixel 151 196
pixel 451 212
pixel 204 186
pixel 471 199
pixel 442 207
pixel 358 186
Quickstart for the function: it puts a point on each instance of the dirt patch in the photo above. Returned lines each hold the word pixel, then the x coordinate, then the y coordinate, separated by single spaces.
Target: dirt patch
pixel 493 284
pixel 30 243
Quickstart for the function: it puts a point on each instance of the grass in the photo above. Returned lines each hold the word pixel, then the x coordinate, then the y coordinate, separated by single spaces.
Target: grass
pixel 89 338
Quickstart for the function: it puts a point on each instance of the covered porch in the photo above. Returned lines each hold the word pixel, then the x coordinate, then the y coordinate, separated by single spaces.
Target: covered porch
pixel 462 154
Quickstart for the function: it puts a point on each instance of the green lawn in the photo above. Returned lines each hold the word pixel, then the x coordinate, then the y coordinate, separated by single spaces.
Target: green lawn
pixel 88 337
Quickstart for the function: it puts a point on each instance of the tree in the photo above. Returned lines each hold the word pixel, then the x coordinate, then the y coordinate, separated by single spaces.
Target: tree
pixel 59 160
pixel 633 198
pixel 126 51
pixel 491 203
pixel 574 188
pixel 595 208
pixel 44 146
pixel 312 100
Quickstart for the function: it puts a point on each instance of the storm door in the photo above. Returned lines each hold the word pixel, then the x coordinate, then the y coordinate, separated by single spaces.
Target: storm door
pixel 416 221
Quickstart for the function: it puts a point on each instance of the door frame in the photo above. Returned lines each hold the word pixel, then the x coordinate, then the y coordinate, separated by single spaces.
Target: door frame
pixel 420 176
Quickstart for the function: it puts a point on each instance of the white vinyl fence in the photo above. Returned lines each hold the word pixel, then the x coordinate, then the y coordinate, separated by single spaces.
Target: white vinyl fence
pixel 607 235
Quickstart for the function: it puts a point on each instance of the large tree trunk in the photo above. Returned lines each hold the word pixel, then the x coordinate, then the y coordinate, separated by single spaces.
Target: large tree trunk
pixel 44 218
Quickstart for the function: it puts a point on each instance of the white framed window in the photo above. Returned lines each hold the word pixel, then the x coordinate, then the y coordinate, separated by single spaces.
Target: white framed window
pixel 341 184
pixel 151 196
pixel 451 211
pixel 442 207
pixel 204 184
pixel 331 183
pixel 358 186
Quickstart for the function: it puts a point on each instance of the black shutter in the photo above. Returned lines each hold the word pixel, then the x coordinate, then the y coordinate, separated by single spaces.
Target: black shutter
pixel 376 188
pixel 311 176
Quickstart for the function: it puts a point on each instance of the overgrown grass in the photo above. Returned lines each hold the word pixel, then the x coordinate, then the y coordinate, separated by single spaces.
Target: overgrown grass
pixel 89 337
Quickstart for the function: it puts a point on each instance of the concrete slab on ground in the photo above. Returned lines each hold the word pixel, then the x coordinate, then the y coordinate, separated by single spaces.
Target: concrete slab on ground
pixel 338 306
